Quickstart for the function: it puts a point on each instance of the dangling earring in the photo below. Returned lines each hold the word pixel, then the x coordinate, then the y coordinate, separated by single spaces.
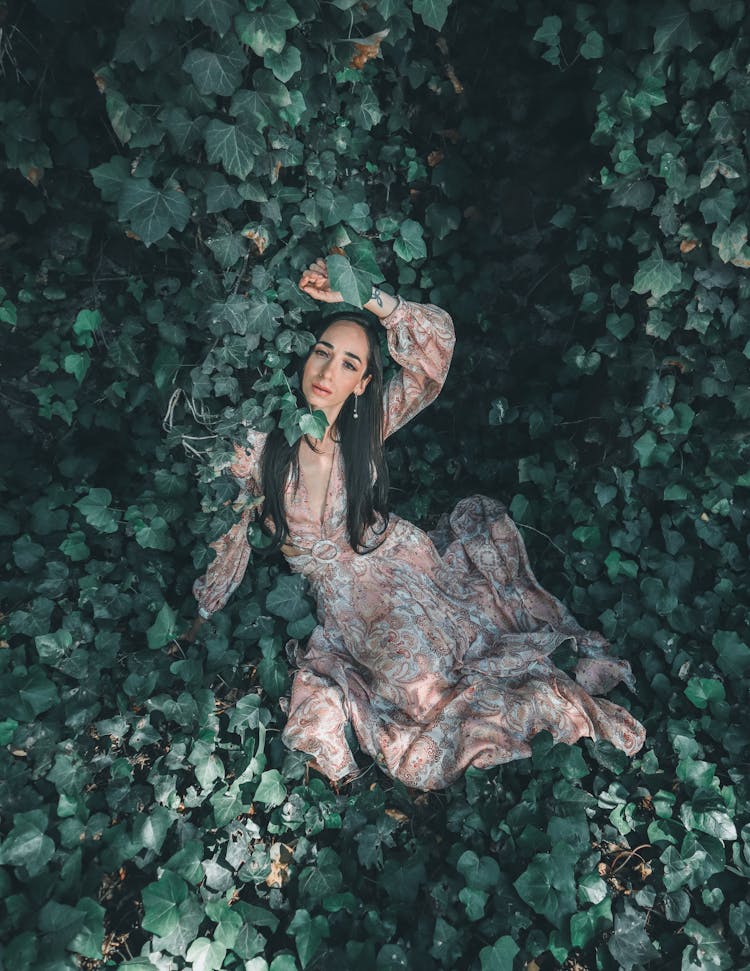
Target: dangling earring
pixel 355 414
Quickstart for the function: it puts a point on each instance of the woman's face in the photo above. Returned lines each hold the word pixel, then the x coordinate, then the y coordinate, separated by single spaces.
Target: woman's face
pixel 336 368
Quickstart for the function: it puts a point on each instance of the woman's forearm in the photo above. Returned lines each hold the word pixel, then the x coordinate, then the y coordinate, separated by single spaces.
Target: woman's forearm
pixel 380 303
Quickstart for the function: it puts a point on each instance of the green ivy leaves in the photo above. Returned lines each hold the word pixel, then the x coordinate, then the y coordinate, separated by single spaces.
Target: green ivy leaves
pixel 152 212
pixel 265 30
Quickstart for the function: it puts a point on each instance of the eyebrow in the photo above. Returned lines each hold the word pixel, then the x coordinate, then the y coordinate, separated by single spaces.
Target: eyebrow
pixel 346 353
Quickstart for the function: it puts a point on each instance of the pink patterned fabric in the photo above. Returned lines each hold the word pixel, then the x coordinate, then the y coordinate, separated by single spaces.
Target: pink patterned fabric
pixel 437 653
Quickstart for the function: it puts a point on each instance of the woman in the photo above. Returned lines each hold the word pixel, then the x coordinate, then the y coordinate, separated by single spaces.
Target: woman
pixel 435 650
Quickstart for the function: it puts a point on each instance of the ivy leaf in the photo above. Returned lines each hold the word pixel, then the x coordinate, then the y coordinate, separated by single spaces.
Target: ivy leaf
pixel 366 109
pixel 216 72
pixel 263 317
pixel 410 244
pixel 699 857
pixel 95 509
pixel 709 952
pixel 154 535
pixel 332 207
pixel 257 106
pixel 265 30
pixel 150 829
pixel 163 629
pixel 500 956
pixel 110 177
pixel 726 160
pixel 271 790
pixel 308 934
pixel 733 655
pixel 730 240
pixel 480 873
pixel 703 691
pixel 707 813
pixel 161 900
pixel 77 364
pixel 89 938
pixel 217 14
pixel 205 955
pixel 432 12
pixel 285 63
pixel 718 208
pixel 183 128
pixel 287 598
pixel 629 945
pixel 235 146
pixel 354 285
pixel 27 845
pixel 656 275
pixel 152 212
pixel 592 47
pixel 590 924
pixel 441 219
pixel 548 887
pixel 228 249
pixel 322 879
pixel 674 28
pixel 314 424
pixel 273 674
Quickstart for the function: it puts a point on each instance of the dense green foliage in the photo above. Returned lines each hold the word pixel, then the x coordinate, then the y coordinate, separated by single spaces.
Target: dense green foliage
pixel 571 182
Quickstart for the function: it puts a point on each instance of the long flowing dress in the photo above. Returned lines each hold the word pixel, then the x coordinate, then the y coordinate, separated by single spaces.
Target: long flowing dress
pixel 435 649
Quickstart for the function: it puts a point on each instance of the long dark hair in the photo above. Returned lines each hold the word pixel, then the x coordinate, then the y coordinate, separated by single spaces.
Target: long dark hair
pixel 361 442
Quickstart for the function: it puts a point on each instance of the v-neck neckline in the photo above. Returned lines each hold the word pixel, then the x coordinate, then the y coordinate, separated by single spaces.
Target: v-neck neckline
pixel 320 521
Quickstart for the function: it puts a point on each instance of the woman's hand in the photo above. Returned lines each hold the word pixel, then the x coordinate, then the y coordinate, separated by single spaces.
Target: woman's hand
pixel 315 283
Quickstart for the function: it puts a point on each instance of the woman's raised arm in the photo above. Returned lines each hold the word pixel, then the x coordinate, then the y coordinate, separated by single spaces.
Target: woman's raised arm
pixel 421 339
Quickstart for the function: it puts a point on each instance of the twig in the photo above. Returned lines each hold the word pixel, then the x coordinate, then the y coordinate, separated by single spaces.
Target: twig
pixel 548 538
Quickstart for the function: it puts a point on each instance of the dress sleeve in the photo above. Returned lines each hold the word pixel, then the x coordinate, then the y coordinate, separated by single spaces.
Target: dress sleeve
pixel 420 339
pixel 226 571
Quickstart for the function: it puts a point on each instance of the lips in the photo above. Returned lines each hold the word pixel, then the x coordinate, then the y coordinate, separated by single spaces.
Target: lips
pixel 320 390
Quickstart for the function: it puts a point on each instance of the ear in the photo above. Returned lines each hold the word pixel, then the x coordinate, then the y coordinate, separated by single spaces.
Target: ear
pixel 362 385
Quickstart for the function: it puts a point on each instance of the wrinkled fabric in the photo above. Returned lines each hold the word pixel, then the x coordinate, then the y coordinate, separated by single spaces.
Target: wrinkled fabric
pixel 435 649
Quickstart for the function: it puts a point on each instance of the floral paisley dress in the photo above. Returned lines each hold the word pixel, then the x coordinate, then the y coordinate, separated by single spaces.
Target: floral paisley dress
pixel 436 649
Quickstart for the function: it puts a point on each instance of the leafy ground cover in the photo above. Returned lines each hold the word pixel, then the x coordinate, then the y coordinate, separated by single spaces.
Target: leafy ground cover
pixel 571 182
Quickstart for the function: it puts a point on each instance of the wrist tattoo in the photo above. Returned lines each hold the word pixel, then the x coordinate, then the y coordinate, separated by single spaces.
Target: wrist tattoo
pixel 377 296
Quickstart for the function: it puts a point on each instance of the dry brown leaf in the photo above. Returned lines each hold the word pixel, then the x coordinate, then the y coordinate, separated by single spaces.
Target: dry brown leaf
pixel 367 48
pixel 279 875
pixel 35 175
pixel 101 83
pixel 688 245
pixel 398 816
pixel 281 857
pixel 259 237
pixel 671 362
pixel 457 86
pixel 435 158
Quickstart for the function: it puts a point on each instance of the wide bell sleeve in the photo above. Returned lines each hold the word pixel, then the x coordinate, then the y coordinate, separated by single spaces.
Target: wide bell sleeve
pixel 227 570
pixel 420 339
